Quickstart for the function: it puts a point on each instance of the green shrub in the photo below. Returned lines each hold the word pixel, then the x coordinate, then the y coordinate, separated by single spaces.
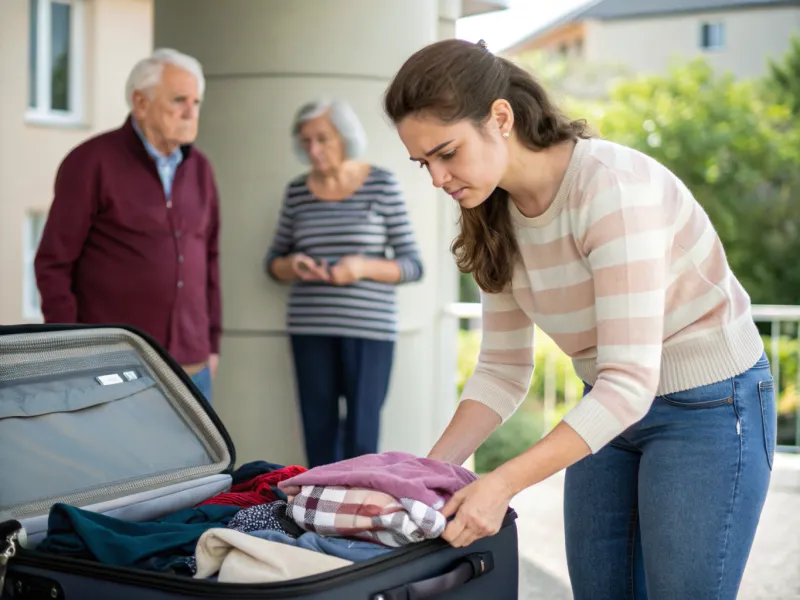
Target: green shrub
pixel 787 362
pixel 527 426
pixel 515 436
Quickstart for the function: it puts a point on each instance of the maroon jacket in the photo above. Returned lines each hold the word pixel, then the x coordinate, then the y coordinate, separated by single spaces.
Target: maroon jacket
pixel 113 251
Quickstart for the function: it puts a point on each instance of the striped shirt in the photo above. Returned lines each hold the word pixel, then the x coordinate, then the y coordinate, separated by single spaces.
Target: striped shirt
pixel 627 275
pixel 374 223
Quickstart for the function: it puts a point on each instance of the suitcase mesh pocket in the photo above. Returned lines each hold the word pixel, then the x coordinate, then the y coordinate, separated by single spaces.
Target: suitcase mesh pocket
pixel 84 419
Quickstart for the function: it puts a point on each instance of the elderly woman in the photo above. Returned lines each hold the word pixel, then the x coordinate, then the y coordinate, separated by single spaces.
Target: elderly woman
pixel 344 241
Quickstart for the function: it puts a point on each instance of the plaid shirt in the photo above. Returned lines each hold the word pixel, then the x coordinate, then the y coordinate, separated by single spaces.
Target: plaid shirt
pixel 364 514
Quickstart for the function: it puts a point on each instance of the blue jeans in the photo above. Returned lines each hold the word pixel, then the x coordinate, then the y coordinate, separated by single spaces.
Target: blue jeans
pixel 203 382
pixel 669 509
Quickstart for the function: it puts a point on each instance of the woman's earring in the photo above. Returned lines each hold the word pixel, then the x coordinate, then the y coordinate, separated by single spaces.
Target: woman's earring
pixel 506 134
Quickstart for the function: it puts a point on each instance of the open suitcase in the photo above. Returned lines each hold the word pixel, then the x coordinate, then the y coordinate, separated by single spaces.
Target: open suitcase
pixel 150 445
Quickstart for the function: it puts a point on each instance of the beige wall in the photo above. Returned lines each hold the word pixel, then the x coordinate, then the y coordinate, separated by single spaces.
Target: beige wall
pixel 117 34
pixel 272 56
pixel 648 45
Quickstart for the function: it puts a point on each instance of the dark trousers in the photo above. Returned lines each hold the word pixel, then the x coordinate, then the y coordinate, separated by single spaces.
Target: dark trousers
pixel 327 368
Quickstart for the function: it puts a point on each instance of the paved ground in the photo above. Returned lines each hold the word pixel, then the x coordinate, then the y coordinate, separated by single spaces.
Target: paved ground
pixel 773 572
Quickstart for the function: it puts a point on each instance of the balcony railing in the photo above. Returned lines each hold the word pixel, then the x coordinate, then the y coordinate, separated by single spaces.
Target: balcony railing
pixel 783 320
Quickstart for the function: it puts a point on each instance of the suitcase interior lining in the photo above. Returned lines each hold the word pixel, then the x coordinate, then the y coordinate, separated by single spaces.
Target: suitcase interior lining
pixel 143 506
pixel 66 437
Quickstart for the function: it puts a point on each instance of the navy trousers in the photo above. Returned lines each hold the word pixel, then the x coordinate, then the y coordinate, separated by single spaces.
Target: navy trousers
pixel 327 368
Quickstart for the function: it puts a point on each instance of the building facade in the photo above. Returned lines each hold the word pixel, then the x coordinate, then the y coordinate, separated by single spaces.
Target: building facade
pixel 63 67
pixel 645 37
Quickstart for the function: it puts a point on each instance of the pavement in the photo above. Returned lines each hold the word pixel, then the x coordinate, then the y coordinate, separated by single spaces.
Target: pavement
pixel 773 572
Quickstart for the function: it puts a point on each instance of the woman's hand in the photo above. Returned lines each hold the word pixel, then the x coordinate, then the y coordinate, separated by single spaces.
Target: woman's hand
pixel 349 269
pixel 479 509
pixel 306 268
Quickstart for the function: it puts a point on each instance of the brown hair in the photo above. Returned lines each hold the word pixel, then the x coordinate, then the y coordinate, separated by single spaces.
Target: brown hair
pixel 455 80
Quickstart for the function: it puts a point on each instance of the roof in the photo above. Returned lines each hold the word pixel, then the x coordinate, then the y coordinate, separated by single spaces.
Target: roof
pixel 623 9
pixel 627 9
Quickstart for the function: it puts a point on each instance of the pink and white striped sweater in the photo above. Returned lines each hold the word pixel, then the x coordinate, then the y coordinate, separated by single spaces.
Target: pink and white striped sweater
pixel 627 275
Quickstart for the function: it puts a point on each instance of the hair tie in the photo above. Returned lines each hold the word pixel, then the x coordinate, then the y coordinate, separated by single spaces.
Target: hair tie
pixel 482 43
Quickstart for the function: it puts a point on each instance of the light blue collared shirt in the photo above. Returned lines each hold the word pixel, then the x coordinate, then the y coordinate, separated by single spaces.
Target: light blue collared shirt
pixel 166 165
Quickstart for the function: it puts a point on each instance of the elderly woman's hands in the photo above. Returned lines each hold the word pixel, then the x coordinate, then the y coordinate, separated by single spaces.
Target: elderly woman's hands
pixel 348 270
pixel 307 269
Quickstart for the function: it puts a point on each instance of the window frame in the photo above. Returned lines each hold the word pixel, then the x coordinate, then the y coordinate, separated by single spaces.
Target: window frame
pixel 33 226
pixel 42 113
pixel 712 27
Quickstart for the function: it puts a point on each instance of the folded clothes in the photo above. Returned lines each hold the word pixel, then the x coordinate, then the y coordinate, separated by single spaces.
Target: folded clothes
pixel 399 474
pixel 157 545
pixel 348 549
pixel 365 514
pixel 262 517
pixel 253 469
pixel 242 558
pixel 259 490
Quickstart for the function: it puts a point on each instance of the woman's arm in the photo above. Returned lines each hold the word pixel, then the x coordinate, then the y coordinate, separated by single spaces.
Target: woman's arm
pixel 281 269
pixel 381 269
pixel 472 423
pixel 407 264
pixel 278 263
pixel 499 383
pixel 557 450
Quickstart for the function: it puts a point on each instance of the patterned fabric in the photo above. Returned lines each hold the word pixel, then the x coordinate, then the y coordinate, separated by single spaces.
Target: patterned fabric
pixel 625 272
pixel 259 518
pixel 364 514
pixel 259 490
pixel 374 223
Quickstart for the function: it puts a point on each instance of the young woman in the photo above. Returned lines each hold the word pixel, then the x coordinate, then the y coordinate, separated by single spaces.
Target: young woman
pixel 669 453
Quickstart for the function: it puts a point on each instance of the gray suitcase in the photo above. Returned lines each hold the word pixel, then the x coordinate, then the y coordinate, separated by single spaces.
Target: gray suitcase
pixel 149 445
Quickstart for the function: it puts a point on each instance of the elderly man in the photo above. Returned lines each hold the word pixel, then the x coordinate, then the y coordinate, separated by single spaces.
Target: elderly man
pixel 132 234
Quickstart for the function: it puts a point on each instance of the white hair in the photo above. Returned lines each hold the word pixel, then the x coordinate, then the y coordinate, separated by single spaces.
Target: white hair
pixel 342 117
pixel 146 74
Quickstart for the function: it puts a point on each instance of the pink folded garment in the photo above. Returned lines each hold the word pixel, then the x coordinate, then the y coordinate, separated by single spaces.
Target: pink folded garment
pixel 399 474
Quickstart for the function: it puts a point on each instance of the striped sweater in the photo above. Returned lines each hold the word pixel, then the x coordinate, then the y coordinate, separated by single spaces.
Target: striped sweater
pixel 373 222
pixel 627 275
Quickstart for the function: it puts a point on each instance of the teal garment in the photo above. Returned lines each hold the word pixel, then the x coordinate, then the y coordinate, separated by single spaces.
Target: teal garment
pixel 78 533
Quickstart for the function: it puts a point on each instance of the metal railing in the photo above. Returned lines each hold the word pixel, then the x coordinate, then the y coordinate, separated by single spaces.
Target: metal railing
pixel 777 315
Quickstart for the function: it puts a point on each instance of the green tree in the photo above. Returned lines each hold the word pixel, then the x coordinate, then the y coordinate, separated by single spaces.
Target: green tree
pixel 783 79
pixel 735 150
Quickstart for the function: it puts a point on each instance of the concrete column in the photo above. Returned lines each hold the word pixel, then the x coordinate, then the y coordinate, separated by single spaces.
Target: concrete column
pixel 263 59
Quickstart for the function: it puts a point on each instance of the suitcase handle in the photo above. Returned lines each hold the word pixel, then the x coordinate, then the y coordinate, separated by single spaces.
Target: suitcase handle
pixel 470 567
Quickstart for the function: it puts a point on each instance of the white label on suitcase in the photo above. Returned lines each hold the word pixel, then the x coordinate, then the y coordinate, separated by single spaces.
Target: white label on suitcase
pixel 109 379
pixel 130 375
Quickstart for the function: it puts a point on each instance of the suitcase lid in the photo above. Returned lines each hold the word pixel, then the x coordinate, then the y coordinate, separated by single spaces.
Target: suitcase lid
pixel 95 413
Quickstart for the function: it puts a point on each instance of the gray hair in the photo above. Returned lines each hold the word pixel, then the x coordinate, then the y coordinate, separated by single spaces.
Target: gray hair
pixel 342 117
pixel 146 74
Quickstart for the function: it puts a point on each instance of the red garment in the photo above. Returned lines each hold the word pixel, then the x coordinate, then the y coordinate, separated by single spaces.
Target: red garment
pixel 258 490
pixel 114 250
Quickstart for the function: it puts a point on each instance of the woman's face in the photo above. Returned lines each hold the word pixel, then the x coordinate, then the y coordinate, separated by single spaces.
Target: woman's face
pixel 322 144
pixel 465 161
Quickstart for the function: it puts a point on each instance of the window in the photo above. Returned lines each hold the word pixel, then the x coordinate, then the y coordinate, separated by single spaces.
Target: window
pixel 712 36
pixel 55 61
pixel 31 303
